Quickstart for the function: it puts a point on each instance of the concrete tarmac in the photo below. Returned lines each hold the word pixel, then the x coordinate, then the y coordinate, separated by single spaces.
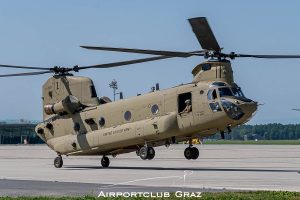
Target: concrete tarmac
pixel 29 170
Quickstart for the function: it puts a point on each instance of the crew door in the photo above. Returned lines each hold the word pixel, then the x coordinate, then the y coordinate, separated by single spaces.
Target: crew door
pixel 185 110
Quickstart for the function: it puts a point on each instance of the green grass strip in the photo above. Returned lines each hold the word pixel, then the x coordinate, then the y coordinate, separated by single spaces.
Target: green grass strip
pixel 259 195
pixel 259 142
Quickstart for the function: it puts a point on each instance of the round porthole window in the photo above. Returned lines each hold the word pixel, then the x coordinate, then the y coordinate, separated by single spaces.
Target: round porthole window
pixel 101 121
pixel 127 115
pixel 154 109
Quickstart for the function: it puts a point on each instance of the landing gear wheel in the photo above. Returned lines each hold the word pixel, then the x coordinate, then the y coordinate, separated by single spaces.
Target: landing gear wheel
pixel 151 153
pixel 58 162
pixel 195 153
pixel 144 153
pixel 188 152
pixel 191 153
pixel 105 162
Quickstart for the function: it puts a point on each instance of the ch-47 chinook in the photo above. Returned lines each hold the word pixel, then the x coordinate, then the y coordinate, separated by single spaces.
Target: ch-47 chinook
pixel 77 122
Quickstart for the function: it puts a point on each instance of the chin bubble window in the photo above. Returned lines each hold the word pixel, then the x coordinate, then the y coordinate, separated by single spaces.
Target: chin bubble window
pixel 215 107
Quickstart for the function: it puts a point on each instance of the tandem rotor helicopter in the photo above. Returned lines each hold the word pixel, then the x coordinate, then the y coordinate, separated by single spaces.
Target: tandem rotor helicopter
pixel 77 122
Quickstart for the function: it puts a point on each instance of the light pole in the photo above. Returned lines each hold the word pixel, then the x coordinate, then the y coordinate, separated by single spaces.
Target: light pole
pixel 114 86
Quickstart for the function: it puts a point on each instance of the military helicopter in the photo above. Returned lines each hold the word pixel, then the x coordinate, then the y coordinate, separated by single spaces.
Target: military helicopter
pixel 77 122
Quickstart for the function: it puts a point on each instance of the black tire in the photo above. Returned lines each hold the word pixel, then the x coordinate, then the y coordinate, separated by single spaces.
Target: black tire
pixel 144 153
pixel 151 153
pixel 105 162
pixel 188 152
pixel 195 153
pixel 58 162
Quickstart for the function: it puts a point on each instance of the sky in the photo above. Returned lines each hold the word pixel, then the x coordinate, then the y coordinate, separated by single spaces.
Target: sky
pixel 48 33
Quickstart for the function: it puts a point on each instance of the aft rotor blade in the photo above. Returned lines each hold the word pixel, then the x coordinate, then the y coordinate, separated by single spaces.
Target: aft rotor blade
pixel 122 63
pixel 26 74
pixel 204 34
pixel 267 56
pixel 147 51
pixel 23 67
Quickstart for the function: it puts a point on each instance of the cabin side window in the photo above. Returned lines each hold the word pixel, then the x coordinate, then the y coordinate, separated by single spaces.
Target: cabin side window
pixel 127 115
pixel 154 109
pixel 101 121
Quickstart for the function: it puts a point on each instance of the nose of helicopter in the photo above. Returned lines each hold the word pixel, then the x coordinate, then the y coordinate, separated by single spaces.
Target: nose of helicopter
pixel 249 108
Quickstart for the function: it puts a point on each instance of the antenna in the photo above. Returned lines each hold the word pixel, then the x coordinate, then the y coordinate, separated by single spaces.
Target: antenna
pixel 157 86
pixel 114 85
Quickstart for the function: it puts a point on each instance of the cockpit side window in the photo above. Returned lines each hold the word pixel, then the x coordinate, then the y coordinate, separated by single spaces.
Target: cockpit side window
pixel 212 94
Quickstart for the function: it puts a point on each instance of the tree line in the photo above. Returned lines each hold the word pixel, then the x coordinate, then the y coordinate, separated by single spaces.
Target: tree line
pixel 16 133
pixel 264 132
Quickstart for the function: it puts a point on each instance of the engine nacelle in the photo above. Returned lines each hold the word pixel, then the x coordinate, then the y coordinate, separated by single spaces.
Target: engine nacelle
pixel 59 87
pixel 69 104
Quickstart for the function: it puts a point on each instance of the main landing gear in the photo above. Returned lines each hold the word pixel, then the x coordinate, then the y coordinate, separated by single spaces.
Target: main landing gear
pixel 105 162
pixel 58 162
pixel 191 152
pixel 146 153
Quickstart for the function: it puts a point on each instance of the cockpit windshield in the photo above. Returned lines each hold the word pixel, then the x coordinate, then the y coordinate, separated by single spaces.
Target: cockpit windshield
pixel 237 92
pixel 225 92
pixel 230 91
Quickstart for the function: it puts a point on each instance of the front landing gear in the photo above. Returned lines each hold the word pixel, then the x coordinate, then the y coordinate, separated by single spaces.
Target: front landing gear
pixel 191 153
pixel 58 162
pixel 146 153
pixel 105 162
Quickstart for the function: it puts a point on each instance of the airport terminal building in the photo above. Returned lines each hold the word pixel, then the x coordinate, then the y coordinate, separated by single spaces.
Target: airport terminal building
pixel 18 133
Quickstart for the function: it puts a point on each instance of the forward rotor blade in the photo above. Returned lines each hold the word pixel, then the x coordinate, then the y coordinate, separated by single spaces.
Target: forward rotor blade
pixel 267 56
pixel 296 109
pixel 23 67
pixel 147 51
pixel 204 34
pixel 122 63
pixel 25 74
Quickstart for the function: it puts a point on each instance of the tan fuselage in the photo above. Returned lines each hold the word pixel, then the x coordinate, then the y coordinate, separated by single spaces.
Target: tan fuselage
pixel 121 135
